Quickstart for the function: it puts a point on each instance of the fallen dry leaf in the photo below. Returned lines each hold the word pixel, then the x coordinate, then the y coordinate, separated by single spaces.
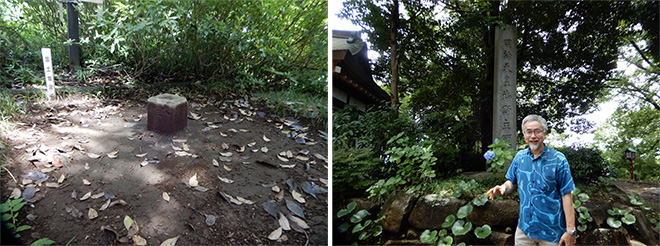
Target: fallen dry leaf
pixel 15 194
pixel 201 188
pixel 288 166
pixel 226 167
pixel 275 188
pixel 276 234
pixel 298 223
pixel 284 223
pixel 252 144
pixel 86 182
pixel 138 240
pixel 226 154
pixel 166 196
pixel 93 156
pixel 113 155
pixel 215 163
pixel 193 181
pixel 105 206
pixel 52 185
pixel 321 157
pixel 266 139
pixel 86 196
pixel 176 148
pixel 141 155
pixel 282 159
pixel 226 180
pixel 297 196
pixel 98 195
pixel 61 179
pixel 264 149
pixel 170 242
pixel 92 214
pixel 73 211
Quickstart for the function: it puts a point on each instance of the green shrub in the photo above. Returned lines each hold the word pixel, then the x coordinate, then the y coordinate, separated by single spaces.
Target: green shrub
pixel 587 164
pixel 354 170
pixel 411 161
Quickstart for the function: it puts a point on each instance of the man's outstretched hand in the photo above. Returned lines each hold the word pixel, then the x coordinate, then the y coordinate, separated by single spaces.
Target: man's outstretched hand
pixel 496 191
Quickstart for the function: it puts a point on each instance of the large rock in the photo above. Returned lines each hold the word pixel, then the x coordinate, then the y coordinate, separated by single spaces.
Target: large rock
pixel 167 114
pixel 501 238
pixel 431 210
pixel 603 236
pixel 642 228
pixel 598 211
pixel 361 203
pixel 497 213
pixel 396 210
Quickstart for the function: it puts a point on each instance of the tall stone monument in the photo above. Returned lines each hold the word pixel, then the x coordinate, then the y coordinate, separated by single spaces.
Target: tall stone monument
pixel 504 97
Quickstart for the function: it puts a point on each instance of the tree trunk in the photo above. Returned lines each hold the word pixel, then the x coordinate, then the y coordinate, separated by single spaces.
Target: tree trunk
pixel 394 60
pixel 486 108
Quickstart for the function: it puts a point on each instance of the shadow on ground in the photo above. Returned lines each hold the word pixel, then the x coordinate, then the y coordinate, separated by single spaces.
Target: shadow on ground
pixel 85 133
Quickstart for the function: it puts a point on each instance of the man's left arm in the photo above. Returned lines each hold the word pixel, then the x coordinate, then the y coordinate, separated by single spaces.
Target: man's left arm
pixel 569 213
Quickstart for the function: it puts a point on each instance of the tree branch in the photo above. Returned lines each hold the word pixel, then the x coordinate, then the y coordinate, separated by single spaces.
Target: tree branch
pixel 641 53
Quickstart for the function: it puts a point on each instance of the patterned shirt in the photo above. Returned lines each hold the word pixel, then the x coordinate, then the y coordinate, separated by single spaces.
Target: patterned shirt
pixel 541 183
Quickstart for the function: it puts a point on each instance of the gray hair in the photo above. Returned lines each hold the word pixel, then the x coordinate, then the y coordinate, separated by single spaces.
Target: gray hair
pixel 533 117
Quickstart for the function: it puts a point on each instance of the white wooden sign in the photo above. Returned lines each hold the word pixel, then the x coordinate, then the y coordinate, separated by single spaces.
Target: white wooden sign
pixel 48 71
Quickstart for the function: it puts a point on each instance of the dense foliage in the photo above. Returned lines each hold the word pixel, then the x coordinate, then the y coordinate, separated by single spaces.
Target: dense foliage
pixel 587 164
pixel 567 55
pixel 245 45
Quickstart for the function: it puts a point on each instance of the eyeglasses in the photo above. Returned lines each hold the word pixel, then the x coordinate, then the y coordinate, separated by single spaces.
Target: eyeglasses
pixel 536 132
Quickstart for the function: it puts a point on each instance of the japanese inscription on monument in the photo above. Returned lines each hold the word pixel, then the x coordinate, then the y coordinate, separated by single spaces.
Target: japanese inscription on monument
pixel 504 98
pixel 48 72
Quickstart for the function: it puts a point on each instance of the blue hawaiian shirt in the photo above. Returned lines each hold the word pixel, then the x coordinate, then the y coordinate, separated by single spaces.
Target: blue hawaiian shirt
pixel 541 183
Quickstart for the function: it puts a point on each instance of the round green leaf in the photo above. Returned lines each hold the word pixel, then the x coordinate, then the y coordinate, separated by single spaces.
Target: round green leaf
pixel 480 200
pixel 613 211
pixel 582 227
pixel 348 210
pixel 449 220
pixel 364 235
pixel 577 203
pixel 482 231
pixel 614 223
pixel 464 211
pixel 629 219
pixel 343 227
pixel 359 215
pixel 461 244
pixel 448 240
pixel 358 228
pixel 636 202
pixel 428 236
pixel 377 230
pixel 583 197
pixel 583 210
pixel 461 228
pixel 442 233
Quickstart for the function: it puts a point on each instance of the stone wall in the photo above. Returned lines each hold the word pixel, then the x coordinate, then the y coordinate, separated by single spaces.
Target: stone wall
pixel 407 217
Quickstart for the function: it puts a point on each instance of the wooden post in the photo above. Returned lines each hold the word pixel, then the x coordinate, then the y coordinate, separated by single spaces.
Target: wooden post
pixel 72 28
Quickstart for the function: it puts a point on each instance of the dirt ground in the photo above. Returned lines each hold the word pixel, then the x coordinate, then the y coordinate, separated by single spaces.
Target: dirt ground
pixel 102 149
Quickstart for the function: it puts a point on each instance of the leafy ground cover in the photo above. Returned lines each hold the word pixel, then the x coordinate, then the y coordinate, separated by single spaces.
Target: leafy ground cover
pixel 205 185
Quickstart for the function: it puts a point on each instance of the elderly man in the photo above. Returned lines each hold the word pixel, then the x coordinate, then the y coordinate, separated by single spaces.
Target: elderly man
pixel 544 183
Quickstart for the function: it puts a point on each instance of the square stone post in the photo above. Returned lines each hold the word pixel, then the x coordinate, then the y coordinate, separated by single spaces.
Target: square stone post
pixel 167 114
pixel 504 97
